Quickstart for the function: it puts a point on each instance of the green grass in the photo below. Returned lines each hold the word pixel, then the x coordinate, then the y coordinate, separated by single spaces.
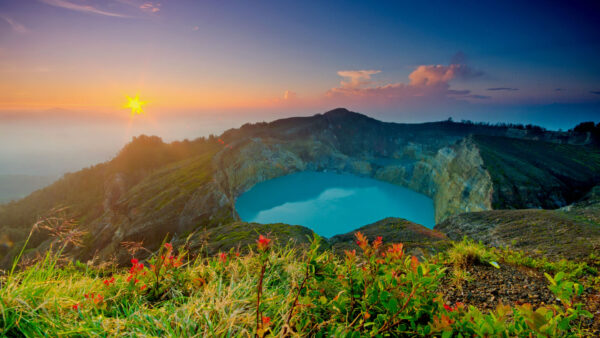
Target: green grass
pixel 304 292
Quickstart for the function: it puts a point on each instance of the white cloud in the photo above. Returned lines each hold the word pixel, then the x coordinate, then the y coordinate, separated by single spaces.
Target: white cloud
pixel 17 27
pixel 356 78
pixel 81 8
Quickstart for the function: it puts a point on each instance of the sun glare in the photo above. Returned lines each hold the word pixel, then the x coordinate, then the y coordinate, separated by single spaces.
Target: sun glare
pixel 135 105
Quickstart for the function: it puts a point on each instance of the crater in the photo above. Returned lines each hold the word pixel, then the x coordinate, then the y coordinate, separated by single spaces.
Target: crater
pixel 331 203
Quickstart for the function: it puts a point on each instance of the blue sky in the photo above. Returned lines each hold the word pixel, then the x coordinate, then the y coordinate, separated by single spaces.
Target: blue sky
pixel 403 61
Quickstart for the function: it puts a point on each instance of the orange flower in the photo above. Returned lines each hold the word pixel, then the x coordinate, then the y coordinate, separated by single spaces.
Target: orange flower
pixel 350 254
pixel 266 320
pixel 361 240
pixel 263 243
pixel 414 263
pixel 395 251
pixel 377 242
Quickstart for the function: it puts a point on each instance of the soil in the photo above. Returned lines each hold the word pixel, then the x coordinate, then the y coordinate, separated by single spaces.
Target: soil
pixel 511 285
pixel 489 287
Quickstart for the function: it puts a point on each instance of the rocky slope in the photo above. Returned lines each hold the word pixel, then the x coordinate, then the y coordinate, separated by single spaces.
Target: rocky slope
pixel 571 232
pixel 153 189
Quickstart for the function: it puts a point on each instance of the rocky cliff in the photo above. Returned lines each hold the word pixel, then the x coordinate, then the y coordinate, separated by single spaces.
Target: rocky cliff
pixel 176 189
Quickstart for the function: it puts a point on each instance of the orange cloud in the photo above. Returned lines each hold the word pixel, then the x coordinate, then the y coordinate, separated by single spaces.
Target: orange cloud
pixel 289 95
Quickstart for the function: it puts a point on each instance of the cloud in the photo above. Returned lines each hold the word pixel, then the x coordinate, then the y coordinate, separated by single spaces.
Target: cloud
pixel 436 74
pixel 17 27
pixel 427 83
pixel 503 89
pixel 289 95
pixel 597 92
pixel 81 8
pixel 479 97
pixel 356 78
pixel 195 28
pixel 150 7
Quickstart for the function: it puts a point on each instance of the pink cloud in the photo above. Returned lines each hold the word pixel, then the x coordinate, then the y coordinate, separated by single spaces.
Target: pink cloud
pixel 427 83
pixel 150 7
pixel 81 8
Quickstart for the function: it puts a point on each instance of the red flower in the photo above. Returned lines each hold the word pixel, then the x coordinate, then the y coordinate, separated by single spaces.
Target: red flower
pixel 99 298
pixel 168 246
pixel 263 243
pixel 223 257
pixel 134 261
pixel 108 282
pixel 76 306
pixel 448 307
pixel 266 320
pixel 143 287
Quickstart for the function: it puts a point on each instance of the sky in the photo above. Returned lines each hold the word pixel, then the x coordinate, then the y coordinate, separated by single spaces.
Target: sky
pixel 404 61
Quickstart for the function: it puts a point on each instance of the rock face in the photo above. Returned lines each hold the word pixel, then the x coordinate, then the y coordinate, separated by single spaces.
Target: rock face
pixel 452 175
pixel 176 189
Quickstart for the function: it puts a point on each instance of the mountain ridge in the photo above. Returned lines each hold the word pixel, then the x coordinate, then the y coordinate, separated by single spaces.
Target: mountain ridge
pixel 152 189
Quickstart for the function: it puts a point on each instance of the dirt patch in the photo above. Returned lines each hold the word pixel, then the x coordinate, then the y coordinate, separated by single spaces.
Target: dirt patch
pixel 489 287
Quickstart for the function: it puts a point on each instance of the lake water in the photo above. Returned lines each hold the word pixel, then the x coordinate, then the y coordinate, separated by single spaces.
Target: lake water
pixel 330 203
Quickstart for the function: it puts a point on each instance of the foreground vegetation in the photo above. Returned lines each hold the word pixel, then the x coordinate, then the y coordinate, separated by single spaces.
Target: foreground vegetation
pixel 377 290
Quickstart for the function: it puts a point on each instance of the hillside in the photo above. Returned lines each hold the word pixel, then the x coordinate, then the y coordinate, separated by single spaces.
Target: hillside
pixel 272 289
pixel 153 189
pixel 571 232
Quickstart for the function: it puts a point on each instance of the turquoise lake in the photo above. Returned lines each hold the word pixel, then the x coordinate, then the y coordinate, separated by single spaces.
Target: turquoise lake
pixel 330 203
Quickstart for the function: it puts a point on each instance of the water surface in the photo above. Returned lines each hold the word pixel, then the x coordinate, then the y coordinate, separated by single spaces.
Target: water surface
pixel 331 203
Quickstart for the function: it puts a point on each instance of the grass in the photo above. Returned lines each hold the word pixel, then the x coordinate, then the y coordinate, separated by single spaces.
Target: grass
pixel 378 290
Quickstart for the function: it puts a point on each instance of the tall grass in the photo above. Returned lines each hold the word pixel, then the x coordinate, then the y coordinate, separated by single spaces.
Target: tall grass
pixel 377 291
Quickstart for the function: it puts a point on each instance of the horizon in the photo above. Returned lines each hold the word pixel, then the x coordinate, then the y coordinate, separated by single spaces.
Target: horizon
pixel 69 67
pixel 401 62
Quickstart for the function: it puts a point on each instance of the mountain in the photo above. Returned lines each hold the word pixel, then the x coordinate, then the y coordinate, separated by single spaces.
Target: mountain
pixel 152 189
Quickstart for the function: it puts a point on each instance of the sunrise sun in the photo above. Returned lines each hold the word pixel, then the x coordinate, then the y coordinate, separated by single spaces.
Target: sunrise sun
pixel 135 105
